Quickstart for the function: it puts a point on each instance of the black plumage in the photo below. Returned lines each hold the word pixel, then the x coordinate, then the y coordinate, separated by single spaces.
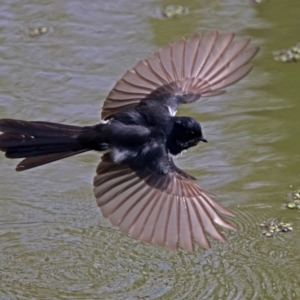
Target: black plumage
pixel 138 186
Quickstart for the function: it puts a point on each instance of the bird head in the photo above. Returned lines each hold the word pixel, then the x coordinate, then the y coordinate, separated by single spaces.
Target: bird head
pixel 186 133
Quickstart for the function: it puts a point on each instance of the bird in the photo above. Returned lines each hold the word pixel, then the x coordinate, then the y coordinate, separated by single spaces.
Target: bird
pixel 137 185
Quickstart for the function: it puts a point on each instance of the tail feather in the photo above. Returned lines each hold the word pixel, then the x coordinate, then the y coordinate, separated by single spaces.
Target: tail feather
pixel 32 162
pixel 38 128
pixel 17 146
pixel 39 142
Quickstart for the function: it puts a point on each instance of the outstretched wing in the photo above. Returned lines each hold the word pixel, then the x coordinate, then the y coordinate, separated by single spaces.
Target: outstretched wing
pixel 195 67
pixel 167 210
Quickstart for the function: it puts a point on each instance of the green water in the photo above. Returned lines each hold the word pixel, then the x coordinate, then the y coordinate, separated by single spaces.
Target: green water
pixel 54 244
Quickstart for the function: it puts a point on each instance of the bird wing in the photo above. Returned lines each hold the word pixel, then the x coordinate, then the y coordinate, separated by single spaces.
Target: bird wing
pixel 189 68
pixel 167 210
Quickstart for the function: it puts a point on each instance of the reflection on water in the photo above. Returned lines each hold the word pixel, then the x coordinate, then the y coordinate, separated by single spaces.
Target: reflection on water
pixel 53 242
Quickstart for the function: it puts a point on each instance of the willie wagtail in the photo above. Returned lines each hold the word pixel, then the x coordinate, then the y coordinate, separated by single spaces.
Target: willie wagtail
pixel 138 186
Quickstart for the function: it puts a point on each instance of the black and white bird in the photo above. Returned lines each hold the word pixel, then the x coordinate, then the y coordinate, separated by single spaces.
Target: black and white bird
pixel 138 186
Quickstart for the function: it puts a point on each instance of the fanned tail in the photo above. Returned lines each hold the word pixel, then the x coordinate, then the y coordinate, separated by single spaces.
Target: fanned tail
pixel 39 142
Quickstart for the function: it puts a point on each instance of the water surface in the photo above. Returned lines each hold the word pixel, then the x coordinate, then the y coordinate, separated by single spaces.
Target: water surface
pixel 54 244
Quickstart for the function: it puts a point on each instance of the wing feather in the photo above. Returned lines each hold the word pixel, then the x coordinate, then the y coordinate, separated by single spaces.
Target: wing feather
pixel 191 48
pixel 185 230
pixel 149 226
pixel 165 210
pixel 197 65
pixel 197 226
pixel 172 233
pixel 161 224
pixel 138 227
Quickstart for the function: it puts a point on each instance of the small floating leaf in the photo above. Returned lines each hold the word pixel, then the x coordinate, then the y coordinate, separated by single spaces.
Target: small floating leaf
pixel 287 55
pixel 172 11
pixel 37 31
pixel 272 226
pixel 269 234
pixel 291 205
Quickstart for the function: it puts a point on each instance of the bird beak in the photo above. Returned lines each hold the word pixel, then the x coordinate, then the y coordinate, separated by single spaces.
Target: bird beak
pixel 203 139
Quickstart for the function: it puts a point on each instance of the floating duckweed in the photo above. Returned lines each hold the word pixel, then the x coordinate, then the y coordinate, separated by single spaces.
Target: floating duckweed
pixel 297 56
pixel 37 31
pixel 291 205
pixel 268 233
pixel 172 11
pixel 285 227
pixel 295 200
pixel 44 30
pixel 271 226
pixel 291 54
